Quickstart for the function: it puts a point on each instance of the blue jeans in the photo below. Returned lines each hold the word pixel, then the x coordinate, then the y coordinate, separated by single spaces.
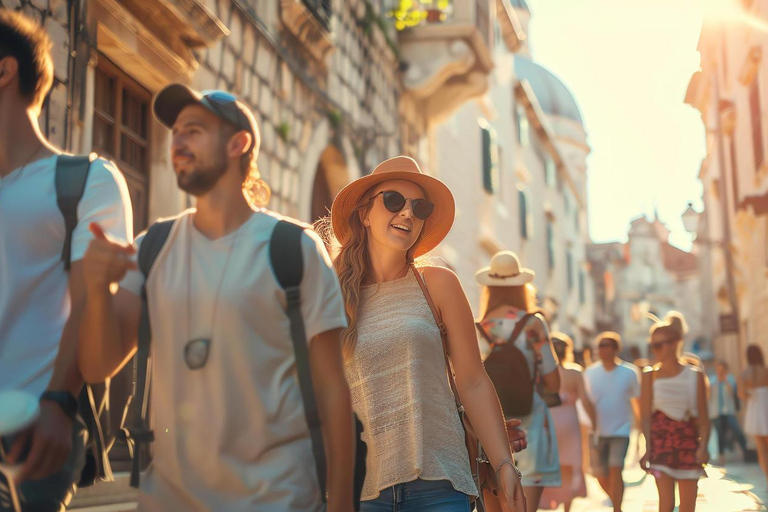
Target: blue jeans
pixel 419 496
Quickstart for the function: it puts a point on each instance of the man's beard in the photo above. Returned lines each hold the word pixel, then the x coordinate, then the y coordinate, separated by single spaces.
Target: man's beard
pixel 200 180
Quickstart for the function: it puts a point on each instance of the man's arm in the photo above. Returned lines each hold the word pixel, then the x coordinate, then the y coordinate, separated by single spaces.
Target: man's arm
pixel 52 432
pixel 335 408
pixel 109 331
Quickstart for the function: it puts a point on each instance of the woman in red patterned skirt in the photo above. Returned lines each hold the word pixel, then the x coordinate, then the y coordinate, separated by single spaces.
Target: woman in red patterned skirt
pixel 674 417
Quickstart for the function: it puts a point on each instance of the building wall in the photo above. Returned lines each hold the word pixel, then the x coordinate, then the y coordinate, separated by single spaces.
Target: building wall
pixel 733 59
pixel 487 222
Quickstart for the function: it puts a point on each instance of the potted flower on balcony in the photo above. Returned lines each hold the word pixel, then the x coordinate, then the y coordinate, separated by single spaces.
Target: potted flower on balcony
pixel 410 13
pixel 436 10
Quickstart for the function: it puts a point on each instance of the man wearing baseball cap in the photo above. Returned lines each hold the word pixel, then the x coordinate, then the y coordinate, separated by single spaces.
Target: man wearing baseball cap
pixel 228 420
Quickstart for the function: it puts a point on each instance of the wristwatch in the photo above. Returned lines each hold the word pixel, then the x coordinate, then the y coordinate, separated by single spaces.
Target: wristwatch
pixel 64 399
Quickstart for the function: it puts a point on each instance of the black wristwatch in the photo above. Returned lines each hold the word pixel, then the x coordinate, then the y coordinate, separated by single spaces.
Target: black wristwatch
pixel 64 399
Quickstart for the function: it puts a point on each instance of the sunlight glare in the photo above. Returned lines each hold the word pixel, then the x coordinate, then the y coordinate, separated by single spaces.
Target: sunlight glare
pixel 731 11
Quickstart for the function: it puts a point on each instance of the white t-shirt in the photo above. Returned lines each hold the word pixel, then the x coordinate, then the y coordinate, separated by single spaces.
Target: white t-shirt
pixel 231 435
pixel 34 297
pixel 611 393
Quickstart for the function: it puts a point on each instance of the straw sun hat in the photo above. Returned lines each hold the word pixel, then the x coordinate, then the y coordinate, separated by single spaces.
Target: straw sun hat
pixel 398 168
pixel 504 271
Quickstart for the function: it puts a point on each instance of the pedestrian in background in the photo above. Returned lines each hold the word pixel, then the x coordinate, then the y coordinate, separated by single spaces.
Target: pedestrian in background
pixel 227 410
pixel 723 408
pixel 394 356
pixel 754 386
pixel 674 417
pixel 508 297
pixel 42 283
pixel 613 386
pixel 567 428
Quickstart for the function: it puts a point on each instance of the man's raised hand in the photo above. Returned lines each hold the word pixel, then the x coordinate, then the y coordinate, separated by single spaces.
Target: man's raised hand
pixel 106 261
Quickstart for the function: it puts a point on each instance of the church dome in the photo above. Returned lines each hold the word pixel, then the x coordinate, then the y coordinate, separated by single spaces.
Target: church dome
pixel 553 96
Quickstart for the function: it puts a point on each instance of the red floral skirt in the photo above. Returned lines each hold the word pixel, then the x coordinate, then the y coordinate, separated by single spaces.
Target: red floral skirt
pixel 673 443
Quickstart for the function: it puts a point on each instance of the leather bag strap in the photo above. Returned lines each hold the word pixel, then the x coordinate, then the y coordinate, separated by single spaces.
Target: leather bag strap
pixel 443 336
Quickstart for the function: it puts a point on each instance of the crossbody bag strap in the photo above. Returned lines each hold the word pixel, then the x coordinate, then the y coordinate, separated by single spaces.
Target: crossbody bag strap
pixel 443 336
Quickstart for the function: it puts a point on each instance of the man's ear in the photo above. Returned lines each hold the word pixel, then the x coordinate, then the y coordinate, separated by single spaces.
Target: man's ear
pixel 9 68
pixel 239 144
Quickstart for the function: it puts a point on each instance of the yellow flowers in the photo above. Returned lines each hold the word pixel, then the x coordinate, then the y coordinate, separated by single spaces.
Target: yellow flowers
pixel 410 13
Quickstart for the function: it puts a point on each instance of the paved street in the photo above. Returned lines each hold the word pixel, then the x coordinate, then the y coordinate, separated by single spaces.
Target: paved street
pixel 739 487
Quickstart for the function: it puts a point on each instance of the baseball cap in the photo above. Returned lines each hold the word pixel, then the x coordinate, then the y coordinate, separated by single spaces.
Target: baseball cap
pixel 170 101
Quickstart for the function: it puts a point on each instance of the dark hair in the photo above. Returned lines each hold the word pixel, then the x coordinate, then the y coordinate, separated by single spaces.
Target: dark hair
pixel 28 43
pixel 722 363
pixel 755 356
pixel 610 336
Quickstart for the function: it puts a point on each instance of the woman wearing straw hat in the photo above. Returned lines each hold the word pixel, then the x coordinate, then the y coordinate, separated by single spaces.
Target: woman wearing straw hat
pixel 394 359
pixel 507 298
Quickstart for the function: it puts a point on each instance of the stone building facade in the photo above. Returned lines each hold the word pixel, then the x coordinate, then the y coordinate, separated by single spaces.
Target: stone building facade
pixel 516 160
pixel 731 92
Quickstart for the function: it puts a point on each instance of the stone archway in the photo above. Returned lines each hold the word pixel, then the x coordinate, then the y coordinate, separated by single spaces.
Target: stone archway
pixel 324 171
pixel 331 176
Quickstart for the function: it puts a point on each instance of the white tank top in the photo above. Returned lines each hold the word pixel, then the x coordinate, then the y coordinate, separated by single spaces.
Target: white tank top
pixel 676 396
pixel 401 394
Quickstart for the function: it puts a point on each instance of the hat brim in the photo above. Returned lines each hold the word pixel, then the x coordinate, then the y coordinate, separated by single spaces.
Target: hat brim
pixel 171 101
pixel 436 227
pixel 483 277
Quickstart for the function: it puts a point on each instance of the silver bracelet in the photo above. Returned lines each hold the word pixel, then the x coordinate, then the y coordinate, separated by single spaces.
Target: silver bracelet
pixel 511 463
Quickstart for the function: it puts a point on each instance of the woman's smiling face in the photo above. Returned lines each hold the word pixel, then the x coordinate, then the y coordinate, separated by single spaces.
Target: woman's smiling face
pixel 396 231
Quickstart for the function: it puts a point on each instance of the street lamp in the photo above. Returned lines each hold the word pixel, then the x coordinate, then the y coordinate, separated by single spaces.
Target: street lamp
pixel 729 324
pixel 691 220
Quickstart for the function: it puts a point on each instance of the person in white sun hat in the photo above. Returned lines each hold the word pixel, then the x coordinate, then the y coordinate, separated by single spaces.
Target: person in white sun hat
pixel 508 299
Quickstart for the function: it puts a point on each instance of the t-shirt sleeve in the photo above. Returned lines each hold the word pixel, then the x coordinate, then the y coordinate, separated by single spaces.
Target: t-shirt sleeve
pixel 134 279
pixel 105 201
pixel 322 305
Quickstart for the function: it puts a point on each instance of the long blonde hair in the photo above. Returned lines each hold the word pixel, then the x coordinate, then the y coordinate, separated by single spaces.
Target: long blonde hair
pixel 520 297
pixel 353 265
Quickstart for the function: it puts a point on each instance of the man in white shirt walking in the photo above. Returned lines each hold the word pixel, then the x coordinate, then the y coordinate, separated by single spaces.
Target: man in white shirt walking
pixel 229 424
pixel 614 387
pixel 41 300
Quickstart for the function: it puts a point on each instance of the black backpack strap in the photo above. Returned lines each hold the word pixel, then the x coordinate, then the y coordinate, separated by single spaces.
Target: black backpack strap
pixel 70 179
pixel 137 434
pixel 288 265
pixel 71 175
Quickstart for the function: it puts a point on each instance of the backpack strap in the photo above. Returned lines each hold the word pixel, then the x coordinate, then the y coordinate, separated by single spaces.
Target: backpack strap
pixel 137 433
pixel 287 262
pixel 71 176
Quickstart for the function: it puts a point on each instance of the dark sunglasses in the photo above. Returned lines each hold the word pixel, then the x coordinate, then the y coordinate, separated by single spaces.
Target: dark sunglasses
pixel 656 345
pixel 395 201
pixel 606 345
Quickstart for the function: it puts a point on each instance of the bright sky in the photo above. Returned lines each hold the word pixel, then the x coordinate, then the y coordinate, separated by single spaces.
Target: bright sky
pixel 628 65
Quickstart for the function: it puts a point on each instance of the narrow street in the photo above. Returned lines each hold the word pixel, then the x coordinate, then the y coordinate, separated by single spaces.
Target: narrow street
pixel 739 487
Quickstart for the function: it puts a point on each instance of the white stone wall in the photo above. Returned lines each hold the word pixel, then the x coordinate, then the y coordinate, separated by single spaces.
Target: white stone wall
pixel 489 222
